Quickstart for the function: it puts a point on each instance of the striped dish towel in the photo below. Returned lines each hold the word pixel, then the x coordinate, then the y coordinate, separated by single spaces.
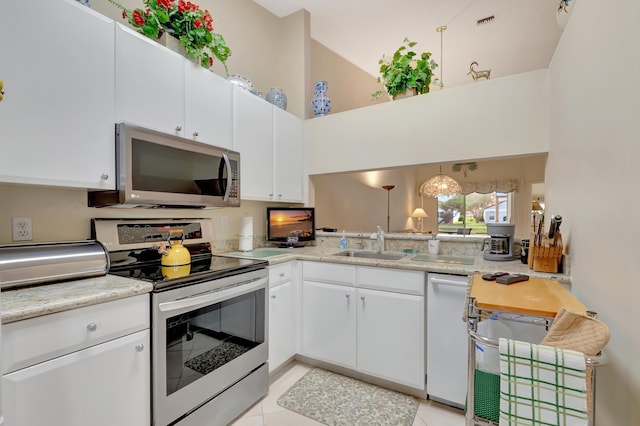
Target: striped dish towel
pixel 541 385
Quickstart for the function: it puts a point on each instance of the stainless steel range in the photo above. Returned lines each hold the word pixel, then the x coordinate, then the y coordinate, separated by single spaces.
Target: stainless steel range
pixel 209 319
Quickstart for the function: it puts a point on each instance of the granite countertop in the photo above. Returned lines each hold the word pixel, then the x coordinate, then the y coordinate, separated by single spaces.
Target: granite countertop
pixel 29 302
pixel 327 254
pixel 34 301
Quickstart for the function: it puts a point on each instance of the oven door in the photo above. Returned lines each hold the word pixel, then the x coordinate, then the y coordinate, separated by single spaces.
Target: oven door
pixel 206 337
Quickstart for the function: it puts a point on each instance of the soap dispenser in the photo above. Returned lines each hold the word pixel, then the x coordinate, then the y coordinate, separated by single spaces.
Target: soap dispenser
pixel 343 240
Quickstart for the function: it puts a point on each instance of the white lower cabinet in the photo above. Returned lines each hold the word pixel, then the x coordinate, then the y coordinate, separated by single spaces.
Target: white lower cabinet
pixel 105 384
pixel 391 336
pixel 368 319
pixel 329 323
pixel 60 369
pixel 283 330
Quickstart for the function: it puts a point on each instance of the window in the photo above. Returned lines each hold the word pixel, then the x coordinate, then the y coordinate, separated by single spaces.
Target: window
pixel 463 214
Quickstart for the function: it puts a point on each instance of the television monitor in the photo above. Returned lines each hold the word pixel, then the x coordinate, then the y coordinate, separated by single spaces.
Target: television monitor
pixel 291 226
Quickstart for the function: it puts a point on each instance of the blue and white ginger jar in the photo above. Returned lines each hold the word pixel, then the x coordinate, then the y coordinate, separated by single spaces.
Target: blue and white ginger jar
pixel 277 97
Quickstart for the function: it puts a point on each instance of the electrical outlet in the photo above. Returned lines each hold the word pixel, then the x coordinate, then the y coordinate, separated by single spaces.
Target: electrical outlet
pixel 22 230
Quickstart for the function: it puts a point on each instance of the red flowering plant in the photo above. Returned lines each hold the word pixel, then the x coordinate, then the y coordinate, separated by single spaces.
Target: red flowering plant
pixel 185 21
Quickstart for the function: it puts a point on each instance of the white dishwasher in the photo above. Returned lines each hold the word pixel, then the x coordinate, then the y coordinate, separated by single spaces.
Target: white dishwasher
pixel 447 341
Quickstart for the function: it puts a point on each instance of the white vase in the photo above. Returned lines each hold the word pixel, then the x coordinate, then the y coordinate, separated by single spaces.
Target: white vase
pixel 565 7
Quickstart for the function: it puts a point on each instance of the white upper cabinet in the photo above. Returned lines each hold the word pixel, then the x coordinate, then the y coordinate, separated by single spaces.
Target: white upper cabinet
pixel 270 142
pixel 183 99
pixel 253 138
pixel 65 91
pixel 149 83
pixel 57 115
pixel 208 107
pixel 288 157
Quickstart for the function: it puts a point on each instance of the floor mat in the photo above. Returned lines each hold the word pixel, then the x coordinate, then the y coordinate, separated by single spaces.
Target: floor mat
pixel 337 400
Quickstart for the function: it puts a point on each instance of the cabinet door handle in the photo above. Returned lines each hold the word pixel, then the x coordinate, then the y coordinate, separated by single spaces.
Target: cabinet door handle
pixel 273 296
pixel 104 176
pixel 178 129
pixel 139 347
pixel 347 295
pixel 92 327
pixel 195 134
pixel 362 298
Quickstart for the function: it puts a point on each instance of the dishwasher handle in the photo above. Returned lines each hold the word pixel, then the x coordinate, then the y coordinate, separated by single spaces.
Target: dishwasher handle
pixel 443 281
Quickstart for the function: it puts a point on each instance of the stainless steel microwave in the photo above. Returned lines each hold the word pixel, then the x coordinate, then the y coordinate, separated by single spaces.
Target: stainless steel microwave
pixel 156 169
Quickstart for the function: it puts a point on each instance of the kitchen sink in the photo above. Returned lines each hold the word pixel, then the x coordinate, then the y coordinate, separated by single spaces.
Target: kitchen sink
pixel 459 260
pixel 371 255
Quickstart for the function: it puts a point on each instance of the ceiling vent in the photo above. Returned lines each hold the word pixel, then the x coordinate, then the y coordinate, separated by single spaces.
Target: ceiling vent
pixel 485 20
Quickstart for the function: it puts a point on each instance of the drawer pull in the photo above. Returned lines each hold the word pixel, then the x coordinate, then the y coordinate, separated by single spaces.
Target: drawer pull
pixel 139 347
pixel 273 296
pixel 282 274
pixel 92 327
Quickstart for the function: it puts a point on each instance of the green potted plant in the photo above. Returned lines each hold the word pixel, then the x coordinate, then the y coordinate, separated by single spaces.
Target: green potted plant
pixel 406 71
pixel 192 26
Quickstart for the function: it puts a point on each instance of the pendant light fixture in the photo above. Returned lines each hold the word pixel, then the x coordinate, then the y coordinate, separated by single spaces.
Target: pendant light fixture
pixel 440 185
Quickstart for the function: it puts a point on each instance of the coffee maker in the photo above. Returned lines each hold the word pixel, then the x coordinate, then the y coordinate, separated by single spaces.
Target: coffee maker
pixel 500 242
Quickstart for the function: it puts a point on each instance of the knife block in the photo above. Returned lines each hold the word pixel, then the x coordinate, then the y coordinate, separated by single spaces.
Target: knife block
pixel 545 255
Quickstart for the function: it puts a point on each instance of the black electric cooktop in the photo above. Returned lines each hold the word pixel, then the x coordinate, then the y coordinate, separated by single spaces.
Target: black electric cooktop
pixel 146 265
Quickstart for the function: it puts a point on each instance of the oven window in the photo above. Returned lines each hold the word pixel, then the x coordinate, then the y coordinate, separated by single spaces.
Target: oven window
pixel 203 340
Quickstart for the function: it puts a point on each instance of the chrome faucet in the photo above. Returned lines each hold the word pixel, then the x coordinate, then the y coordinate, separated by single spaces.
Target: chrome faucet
pixel 380 239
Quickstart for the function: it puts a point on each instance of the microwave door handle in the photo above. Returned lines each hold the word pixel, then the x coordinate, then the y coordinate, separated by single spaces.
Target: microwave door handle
pixel 227 164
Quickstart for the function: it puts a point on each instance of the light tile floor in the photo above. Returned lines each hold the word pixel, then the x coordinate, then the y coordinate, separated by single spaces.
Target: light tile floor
pixel 267 412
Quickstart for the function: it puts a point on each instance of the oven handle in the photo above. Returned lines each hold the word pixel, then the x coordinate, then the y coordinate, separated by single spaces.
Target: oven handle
pixel 214 296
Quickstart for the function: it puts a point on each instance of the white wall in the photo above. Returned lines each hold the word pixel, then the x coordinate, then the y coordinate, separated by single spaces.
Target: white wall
pixel 356 202
pixel 495 118
pixel 61 214
pixel 591 179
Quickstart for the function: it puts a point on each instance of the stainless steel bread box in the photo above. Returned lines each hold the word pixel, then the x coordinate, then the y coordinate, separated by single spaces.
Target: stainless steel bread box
pixel 39 263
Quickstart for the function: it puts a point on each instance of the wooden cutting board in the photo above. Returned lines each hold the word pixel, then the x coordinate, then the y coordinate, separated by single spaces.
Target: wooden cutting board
pixel 537 296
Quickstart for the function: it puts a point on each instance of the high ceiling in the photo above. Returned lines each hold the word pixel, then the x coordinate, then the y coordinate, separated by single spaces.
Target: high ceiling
pixel 521 37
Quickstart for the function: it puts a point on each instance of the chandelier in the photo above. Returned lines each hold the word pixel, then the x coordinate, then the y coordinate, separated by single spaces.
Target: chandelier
pixel 440 185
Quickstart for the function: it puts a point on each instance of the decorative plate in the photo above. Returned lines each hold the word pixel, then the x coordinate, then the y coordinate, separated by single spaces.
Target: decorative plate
pixel 241 81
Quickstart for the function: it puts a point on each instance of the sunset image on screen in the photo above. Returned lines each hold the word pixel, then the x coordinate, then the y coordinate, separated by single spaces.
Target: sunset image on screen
pixel 289 223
